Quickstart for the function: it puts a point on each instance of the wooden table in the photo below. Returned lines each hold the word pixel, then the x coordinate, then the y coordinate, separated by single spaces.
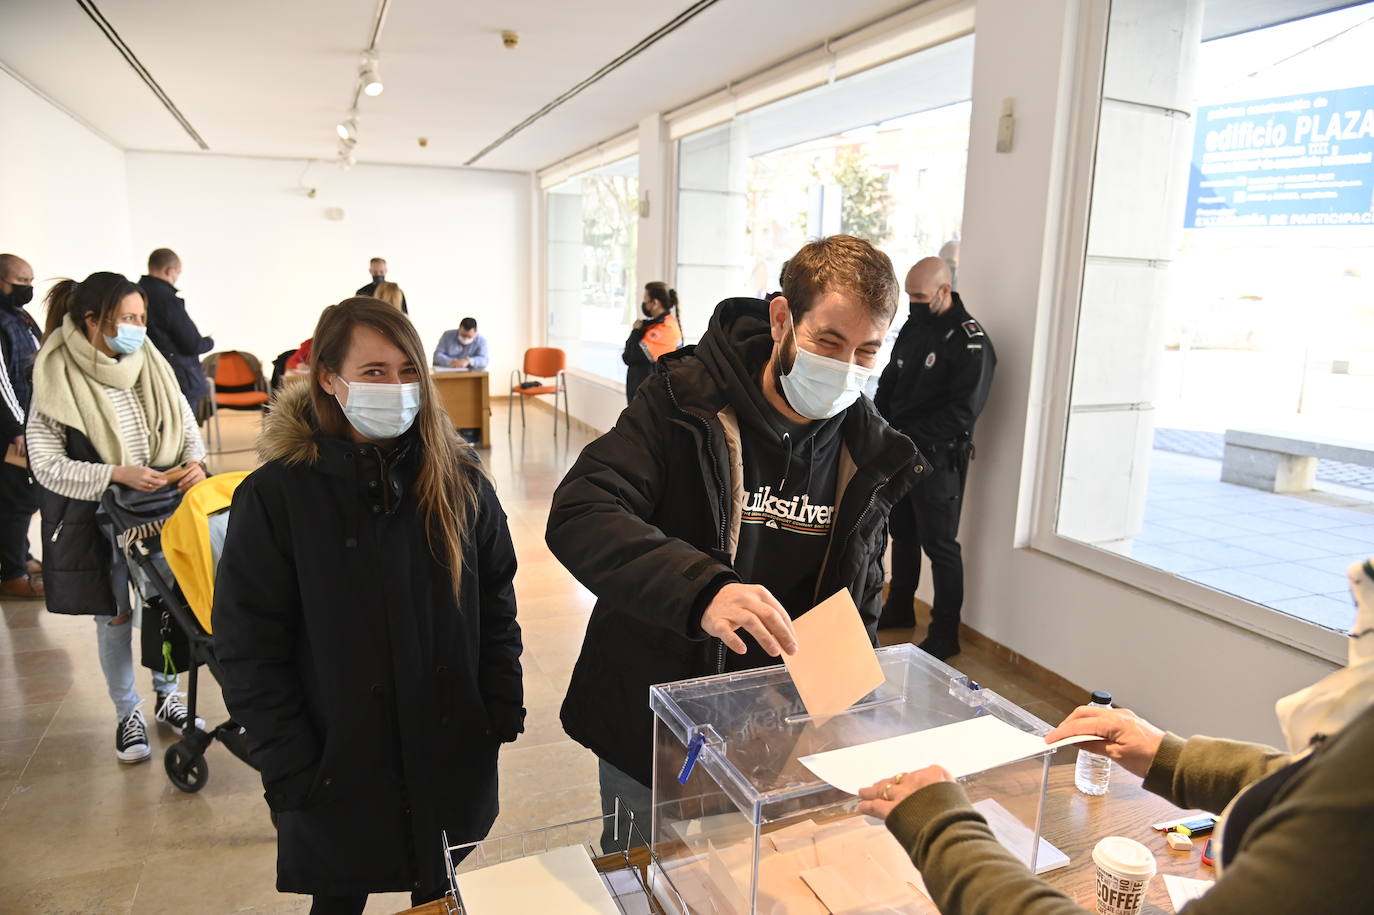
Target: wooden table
pixel 467 399
pixel 1073 823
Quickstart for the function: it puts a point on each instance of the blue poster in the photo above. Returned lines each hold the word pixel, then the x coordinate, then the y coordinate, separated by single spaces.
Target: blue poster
pixel 1298 160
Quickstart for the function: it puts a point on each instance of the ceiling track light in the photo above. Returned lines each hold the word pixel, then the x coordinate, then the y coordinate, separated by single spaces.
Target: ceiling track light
pixel 369 75
pixel 347 129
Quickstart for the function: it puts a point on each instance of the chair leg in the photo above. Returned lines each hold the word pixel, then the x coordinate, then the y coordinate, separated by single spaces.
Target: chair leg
pixel 510 414
pixel 522 412
pixel 567 415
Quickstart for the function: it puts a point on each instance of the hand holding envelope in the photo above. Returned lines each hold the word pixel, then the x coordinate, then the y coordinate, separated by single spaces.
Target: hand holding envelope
pixel 834 665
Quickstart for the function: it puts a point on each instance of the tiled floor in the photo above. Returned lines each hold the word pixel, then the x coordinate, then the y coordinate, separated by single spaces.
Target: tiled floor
pixel 1286 551
pixel 1211 445
pixel 81 833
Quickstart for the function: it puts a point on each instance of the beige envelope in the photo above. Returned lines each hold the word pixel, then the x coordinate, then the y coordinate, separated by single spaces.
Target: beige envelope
pixel 834 665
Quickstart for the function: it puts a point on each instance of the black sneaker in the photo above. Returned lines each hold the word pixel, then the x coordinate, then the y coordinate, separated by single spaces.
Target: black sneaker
pixel 131 738
pixel 938 647
pixel 172 712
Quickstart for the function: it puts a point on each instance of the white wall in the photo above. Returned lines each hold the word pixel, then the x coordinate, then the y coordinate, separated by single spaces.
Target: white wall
pixel 261 259
pixel 1091 629
pixel 63 201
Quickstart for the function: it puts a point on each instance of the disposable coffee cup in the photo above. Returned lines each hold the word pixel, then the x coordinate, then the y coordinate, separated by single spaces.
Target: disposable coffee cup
pixel 1124 869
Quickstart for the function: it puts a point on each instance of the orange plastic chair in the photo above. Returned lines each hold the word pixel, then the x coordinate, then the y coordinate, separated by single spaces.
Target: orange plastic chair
pixel 236 386
pixel 541 363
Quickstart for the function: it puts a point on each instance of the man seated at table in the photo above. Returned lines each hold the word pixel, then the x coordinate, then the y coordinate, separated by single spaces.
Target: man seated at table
pixel 463 348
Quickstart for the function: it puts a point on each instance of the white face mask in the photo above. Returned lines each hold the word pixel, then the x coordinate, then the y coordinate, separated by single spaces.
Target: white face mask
pixel 380 411
pixel 819 387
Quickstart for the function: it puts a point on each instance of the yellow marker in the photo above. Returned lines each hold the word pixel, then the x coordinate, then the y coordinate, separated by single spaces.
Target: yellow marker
pixel 1183 830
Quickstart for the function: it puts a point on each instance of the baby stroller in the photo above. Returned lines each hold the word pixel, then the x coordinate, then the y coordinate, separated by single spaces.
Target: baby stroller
pixel 172 566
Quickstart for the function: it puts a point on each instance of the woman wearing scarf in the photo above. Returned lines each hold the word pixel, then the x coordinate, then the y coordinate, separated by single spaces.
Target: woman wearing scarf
pixel 106 410
pixel 1297 828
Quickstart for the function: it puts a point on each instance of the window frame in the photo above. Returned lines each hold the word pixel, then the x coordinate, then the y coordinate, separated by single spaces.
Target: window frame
pixel 543 186
pixel 1057 333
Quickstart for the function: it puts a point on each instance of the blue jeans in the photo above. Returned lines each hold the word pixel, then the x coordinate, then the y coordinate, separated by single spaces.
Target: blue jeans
pixel 634 798
pixel 117 661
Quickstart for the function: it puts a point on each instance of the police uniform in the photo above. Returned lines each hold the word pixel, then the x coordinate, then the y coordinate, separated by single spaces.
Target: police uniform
pixel 932 390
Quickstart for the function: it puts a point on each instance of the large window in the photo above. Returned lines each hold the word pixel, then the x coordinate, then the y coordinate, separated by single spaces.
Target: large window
pixel 592 293
pixel 880 155
pixel 1221 422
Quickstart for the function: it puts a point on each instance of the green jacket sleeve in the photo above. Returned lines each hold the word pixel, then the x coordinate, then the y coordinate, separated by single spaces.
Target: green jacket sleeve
pixel 966 869
pixel 1207 772
pixel 1299 855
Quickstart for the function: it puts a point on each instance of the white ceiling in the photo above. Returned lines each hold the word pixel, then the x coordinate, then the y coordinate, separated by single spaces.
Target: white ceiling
pixel 272 78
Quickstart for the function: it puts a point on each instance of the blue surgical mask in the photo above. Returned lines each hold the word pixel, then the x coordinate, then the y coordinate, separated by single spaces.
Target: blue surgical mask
pixel 128 339
pixel 380 411
pixel 819 387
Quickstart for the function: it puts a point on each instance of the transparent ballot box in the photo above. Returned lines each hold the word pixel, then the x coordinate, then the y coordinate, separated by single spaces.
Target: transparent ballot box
pixel 549 869
pixel 752 830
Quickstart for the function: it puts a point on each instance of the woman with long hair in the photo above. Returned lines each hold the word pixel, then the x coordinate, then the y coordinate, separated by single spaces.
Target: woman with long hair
pixel 390 293
pixel 657 333
pixel 364 619
pixel 107 409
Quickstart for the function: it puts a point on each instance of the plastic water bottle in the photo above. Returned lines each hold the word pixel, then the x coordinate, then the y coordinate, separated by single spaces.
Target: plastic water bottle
pixel 1093 770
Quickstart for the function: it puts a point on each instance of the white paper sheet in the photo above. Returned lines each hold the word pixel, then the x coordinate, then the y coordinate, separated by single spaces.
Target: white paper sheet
pixel 563 880
pixel 963 748
pixel 1015 837
pixel 1183 890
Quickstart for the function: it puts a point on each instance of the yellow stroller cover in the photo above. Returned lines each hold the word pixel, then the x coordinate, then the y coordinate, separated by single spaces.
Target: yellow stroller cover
pixel 193 537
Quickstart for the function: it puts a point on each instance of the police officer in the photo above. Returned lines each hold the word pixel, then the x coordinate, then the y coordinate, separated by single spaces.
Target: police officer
pixel 933 390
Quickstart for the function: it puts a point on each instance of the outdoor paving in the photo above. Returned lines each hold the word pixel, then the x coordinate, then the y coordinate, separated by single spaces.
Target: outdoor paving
pixel 1286 551
pixel 1210 445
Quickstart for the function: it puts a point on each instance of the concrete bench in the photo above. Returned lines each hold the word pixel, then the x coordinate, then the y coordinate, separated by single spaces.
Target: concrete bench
pixel 1284 461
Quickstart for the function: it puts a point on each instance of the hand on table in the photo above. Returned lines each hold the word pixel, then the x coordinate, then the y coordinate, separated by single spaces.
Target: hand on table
pixel 879 799
pixel 144 479
pixel 1126 737
pixel 752 608
pixel 458 363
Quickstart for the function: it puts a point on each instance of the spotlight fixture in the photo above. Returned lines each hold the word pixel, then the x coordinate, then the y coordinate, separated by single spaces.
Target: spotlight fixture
pixel 346 158
pixel 347 129
pixel 369 76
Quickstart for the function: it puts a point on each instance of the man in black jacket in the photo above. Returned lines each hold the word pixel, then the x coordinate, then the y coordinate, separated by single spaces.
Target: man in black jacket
pixel 933 389
pixel 746 482
pixel 171 329
pixel 376 268
pixel 19 336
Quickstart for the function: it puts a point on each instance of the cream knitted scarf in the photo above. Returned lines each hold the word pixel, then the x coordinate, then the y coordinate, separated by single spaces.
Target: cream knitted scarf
pixel 68 375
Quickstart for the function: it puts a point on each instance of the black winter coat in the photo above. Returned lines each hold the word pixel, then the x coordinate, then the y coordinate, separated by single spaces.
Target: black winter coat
pixel 938 379
pixel 646 517
pixel 373 701
pixel 176 336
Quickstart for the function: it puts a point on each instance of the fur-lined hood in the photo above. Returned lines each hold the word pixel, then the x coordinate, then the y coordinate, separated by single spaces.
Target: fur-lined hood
pixel 289 430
